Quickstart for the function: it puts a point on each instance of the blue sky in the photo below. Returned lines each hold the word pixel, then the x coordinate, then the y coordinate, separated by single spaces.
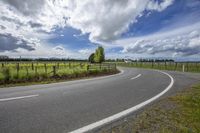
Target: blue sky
pixel 74 28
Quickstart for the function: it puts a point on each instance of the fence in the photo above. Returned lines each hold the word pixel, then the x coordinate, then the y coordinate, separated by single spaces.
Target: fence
pixel 173 66
pixel 32 70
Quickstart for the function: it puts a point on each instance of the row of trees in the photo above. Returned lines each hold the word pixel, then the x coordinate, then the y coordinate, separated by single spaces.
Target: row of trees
pixel 98 56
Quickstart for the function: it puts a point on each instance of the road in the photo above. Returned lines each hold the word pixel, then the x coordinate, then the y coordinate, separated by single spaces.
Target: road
pixel 72 106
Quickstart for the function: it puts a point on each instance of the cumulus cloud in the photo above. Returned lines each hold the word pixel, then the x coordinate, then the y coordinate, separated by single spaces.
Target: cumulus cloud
pixel 179 42
pixel 104 20
pixel 32 21
pixel 11 43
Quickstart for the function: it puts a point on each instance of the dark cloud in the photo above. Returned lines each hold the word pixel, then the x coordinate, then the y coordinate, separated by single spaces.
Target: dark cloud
pixel 26 7
pixel 34 24
pixel 11 43
pixel 2 27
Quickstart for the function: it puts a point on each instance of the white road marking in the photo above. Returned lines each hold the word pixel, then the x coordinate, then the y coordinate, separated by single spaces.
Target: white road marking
pixel 17 98
pixel 125 112
pixel 136 76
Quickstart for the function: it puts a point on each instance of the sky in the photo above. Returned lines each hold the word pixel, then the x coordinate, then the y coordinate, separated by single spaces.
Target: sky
pixel 125 28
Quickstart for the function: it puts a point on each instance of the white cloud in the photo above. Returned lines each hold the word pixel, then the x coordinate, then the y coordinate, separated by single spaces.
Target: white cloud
pixel 159 6
pixel 180 42
pixel 86 52
pixel 104 20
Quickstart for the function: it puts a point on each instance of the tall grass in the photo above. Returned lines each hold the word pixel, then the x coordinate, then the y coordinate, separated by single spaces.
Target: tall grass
pixel 37 71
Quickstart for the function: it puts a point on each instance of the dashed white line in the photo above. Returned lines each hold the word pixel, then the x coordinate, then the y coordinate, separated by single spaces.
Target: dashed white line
pixel 125 112
pixel 17 98
pixel 136 76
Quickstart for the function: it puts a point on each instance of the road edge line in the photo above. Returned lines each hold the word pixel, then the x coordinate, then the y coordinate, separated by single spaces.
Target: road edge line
pixel 127 111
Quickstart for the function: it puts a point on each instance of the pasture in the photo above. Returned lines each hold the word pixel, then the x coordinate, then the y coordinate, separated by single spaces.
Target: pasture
pixel 11 72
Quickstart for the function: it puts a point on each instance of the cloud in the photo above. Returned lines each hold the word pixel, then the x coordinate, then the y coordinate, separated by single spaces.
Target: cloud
pixel 106 20
pixel 103 20
pixel 180 42
pixel 11 43
pixel 159 6
pixel 86 51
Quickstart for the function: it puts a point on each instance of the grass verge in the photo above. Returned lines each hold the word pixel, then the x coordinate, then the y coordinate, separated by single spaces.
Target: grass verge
pixel 64 78
pixel 175 114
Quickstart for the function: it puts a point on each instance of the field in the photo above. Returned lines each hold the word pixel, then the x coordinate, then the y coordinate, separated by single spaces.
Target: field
pixel 15 72
pixel 172 66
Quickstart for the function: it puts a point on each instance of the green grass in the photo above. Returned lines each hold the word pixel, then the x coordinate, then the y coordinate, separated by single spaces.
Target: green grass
pixel 175 114
pixel 172 66
pixel 12 73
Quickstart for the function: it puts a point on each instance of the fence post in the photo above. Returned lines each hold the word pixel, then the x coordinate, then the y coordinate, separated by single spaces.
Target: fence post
pixel 165 65
pixel 32 65
pixel 54 70
pixel 35 70
pixel 183 67
pixel 17 67
pixel 88 67
pixel 175 66
pixel 45 67
pixel 27 74
pixel 2 65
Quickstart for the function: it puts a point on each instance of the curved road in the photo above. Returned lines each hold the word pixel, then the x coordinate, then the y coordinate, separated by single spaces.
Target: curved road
pixel 72 106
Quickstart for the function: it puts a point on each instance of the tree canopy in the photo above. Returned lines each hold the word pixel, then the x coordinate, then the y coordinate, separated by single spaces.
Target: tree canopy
pixel 98 56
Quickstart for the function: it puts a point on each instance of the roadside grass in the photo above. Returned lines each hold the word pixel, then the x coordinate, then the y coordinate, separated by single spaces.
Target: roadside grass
pixel 171 66
pixel 64 78
pixel 12 73
pixel 175 114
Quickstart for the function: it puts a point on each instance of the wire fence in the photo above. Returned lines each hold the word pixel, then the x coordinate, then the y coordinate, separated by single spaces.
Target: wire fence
pixel 39 70
pixel 172 66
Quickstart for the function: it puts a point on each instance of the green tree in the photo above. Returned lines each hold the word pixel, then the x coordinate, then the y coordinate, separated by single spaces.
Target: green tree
pixel 99 55
pixel 91 58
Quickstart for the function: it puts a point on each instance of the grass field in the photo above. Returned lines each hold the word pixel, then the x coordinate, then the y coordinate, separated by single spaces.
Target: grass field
pixel 172 66
pixel 175 114
pixel 14 72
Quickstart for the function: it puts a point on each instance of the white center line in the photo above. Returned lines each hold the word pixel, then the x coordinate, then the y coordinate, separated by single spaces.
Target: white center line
pixel 136 77
pixel 17 98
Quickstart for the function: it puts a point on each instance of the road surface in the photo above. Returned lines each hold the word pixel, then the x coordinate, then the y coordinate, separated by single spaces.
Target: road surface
pixel 80 105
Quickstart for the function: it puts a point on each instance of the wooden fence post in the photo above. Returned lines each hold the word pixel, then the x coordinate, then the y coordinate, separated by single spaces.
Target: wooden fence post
pixel 175 66
pixel 54 70
pixel 183 67
pixel 36 70
pixel 17 67
pixel 45 68
pixel 152 64
pixel 32 66
pixel 27 74
pixel 88 67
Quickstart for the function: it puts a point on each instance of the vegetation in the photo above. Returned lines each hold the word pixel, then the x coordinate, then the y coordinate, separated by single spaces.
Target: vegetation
pixel 98 56
pixel 91 58
pixel 165 65
pixel 15 72
pixel 176 114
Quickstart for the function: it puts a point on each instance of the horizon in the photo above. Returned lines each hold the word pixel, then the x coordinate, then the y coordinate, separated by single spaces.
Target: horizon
pixel 167 29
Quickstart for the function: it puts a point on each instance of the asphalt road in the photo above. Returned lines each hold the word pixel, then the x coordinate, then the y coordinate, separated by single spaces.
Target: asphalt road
pixel 68 106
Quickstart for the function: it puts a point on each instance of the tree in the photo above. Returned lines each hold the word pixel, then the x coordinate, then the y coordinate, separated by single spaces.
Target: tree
pixel 91 58
pixel 99 55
